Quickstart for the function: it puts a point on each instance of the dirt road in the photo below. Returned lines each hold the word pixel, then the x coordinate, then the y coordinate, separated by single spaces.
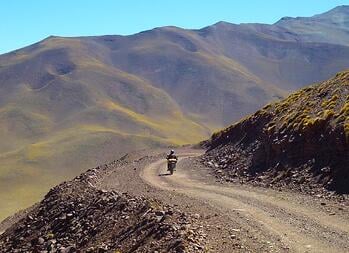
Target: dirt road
pixel 277 219
pixel 222 217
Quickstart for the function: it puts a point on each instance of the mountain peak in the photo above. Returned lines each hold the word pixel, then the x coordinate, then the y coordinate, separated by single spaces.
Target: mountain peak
pixel 338 16
pixel 222 24
pixel 342 10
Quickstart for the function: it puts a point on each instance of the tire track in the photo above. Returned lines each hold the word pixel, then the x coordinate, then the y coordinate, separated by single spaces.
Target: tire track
pixel 300 228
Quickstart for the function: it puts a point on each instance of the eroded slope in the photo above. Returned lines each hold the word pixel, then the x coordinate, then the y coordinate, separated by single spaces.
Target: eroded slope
pixel 302 141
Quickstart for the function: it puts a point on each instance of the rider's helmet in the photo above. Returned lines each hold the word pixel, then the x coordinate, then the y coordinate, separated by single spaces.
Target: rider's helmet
pixel 172 152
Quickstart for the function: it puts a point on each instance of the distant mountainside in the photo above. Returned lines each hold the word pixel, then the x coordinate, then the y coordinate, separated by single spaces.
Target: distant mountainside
pixel 71 103
pixel 331 27
pixel 302 141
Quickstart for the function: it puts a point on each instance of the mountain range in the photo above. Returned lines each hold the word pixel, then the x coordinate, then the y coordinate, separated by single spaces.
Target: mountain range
pixel 71 103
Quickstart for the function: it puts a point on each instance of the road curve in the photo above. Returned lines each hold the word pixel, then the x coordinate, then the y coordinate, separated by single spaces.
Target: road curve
pixel 298 227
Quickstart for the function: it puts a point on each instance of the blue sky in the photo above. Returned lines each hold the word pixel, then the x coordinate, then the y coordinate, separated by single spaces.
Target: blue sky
pixel 25 22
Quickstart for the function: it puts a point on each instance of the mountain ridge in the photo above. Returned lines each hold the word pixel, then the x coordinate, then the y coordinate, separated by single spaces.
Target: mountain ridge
pixel 71 103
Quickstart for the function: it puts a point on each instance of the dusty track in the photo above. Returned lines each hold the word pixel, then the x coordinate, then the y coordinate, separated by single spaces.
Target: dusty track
pixel 291 226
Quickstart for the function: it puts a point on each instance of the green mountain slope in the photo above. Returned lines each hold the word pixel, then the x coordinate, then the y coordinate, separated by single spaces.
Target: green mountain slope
pixel 64 111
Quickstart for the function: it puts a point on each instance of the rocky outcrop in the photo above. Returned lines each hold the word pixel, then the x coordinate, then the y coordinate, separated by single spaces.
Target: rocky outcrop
pixel 302 141
pixel 77 216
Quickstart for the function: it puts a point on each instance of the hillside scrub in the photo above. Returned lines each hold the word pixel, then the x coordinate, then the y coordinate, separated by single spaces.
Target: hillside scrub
pixel 305 135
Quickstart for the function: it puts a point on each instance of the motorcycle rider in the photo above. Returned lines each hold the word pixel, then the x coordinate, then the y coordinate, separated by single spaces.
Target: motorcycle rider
pixel 171 155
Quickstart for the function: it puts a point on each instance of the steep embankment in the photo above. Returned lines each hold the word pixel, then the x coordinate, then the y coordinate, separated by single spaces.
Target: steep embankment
pixel 80 216
pixel 302 141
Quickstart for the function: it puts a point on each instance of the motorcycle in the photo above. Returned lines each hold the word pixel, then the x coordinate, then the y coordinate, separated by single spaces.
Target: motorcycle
pixel 171 165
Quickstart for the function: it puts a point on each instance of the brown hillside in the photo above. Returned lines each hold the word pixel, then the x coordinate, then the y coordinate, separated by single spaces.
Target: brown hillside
pixel 62 110
pixel 71 103
pixel 301 141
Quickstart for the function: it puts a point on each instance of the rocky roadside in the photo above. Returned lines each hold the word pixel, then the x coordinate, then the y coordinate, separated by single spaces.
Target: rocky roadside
pixel 221 232
pixel 300 143
pixel 295 183
pixel 297 179
pixel 78 216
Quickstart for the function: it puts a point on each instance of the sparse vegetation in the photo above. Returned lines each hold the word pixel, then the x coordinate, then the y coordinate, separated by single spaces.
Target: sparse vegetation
pixel 309 130
pixel 66 126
